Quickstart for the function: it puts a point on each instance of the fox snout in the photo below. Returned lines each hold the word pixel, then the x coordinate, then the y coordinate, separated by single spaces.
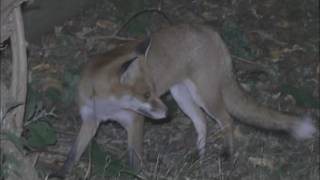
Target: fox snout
pixel 154 109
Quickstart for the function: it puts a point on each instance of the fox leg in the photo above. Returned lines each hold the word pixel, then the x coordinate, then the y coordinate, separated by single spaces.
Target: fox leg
pixel 134 128
pixel 213 106
pixel 220 114
pixel 135 143
pixel 185 101
pixel 87 131
pixel 226 123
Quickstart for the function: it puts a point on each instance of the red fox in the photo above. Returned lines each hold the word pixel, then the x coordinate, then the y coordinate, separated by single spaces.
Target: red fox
pixel 190 61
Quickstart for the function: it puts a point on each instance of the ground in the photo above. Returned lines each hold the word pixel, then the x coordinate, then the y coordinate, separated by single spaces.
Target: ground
pixel 275 50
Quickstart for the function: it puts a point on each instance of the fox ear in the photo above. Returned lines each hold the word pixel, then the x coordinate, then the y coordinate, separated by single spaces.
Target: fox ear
pixel 129 71
pixel 143 46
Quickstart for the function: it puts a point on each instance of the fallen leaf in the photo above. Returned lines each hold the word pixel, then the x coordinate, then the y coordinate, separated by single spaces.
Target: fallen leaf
pixel 41 67
pixel 237 133
pixel 57 30
pixel 262 162
pixel 104 24
pixel 290 98
pixel 275 55
pixel 51 83
pixel 84 31
pixel 283 24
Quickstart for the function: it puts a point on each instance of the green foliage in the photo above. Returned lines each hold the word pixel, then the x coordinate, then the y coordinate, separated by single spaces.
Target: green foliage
pixel 302 96
pixel 70 81
pixel 9 164
pixel 40 134
pixel 53 94
pixel 64 95
pixel 33 98
pixel 66 45
pixel 3 172
pixel 17 141
pixel 237 41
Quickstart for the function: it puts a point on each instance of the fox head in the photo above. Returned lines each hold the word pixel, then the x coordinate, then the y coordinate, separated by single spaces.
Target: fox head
pixel 118 82
pixel 139 94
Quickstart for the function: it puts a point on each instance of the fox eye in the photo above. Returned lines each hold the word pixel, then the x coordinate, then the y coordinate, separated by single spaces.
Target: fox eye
pixel 147 95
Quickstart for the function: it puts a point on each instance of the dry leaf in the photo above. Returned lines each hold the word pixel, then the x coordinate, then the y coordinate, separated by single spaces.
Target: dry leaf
pixel 283 24
pixel 104 24
pixel 51 83
pixel 41 67
pixel 275 55
pixel 237 133
pixel 262 162
pixel 290 98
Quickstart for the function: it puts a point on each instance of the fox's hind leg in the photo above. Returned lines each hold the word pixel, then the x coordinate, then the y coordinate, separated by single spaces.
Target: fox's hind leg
pixel 211 102
pixel 226 123
pixel 187 104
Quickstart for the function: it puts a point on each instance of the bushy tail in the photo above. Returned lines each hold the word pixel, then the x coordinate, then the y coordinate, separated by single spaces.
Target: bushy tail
pixel 248 111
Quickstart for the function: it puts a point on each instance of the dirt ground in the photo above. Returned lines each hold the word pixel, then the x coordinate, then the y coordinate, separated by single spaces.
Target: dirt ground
pixel 275 49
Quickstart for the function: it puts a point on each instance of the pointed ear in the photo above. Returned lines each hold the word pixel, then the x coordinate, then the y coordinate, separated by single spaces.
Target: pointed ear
pixel 143 46
pixel 129 71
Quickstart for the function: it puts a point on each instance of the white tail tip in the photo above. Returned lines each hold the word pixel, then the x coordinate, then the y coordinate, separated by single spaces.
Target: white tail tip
pixel 304 129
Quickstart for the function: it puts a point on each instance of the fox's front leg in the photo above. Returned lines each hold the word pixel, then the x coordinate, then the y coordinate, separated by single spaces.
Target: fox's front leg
pixel 87 131
pixel 134 127
pixel 135 142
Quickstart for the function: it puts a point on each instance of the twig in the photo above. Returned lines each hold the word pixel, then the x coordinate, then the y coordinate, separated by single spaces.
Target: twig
pixel 157 10
pixel 47 177
pixel 234 163
pixel 267 36
pixel 40 115
pixel 246 61
pixel 88 171
pixel 179 172
pixel 110 37
pixel 133 174
pixel 220 169
pixel 35 160
pixel 255 66
pixel 107 164
pixel 51 152
pixel 11 108
pixel 160 176
pixel 3 46
pixel 154 174
pixel 64 132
